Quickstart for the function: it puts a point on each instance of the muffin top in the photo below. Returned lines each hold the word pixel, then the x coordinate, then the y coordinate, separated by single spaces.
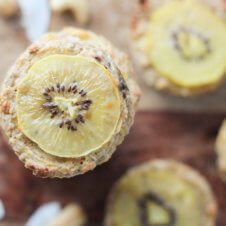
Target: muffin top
pixel 181 45
pixel 161 192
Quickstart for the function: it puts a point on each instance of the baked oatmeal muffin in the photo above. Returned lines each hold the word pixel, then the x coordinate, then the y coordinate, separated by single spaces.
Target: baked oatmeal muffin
pixel 67 102
pixel 180 44
pixel 161 192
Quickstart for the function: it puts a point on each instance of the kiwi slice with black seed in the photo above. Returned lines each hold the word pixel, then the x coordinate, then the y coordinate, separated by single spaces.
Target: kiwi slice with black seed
pixel 68 105
pixel 161 193
pixel 185 44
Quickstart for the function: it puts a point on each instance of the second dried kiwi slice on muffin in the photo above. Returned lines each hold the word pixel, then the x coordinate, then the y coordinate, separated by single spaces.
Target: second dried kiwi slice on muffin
pixel 161 193
pixel 184 43
pixel 68 105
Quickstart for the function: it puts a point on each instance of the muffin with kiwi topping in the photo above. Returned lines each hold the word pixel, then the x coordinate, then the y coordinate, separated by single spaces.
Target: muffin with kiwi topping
pixel 161 193
pixel 180 44
pixel 67 102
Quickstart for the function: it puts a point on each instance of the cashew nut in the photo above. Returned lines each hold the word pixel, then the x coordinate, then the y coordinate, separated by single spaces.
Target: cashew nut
pixel 8 8
pixel 79 8
pixel 71 215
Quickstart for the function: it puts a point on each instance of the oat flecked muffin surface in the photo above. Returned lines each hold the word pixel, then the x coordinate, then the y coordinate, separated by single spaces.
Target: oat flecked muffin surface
pixel 67 102
pixel 161 192
pixel 180 44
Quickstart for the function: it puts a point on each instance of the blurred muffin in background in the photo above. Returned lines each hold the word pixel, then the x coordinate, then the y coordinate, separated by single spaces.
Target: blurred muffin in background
pixel 180 45
pixel 161 192
pixel 71 215
pixel 221 151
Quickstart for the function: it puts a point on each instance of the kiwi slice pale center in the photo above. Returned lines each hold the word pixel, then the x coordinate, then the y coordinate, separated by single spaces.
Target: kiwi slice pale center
pixel 154 211
pixel 67 105
pixel 67 102
pixel 191 45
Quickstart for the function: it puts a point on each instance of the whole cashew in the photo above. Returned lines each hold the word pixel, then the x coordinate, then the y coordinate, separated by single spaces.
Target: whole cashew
pixel 8 8
pixel 79 8
pixel 71 215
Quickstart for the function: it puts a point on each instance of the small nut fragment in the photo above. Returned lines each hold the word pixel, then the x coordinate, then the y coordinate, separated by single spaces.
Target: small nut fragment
pixel 79 8
pixel 2 210
pixel 5 107
pixel 71 215
pixel 8 8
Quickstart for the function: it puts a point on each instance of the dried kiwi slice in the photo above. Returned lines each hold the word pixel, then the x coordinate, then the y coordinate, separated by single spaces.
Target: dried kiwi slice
pixel 185 43
pixel 68 105
pixel 161 193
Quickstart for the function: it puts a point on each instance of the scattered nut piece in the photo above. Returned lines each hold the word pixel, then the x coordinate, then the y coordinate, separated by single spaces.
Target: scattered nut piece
pixel 71 215
pixel 79 8
pixel 8 8
pixel 44 214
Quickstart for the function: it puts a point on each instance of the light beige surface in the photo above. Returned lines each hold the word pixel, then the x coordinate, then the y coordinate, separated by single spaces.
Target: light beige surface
pixel 110 18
